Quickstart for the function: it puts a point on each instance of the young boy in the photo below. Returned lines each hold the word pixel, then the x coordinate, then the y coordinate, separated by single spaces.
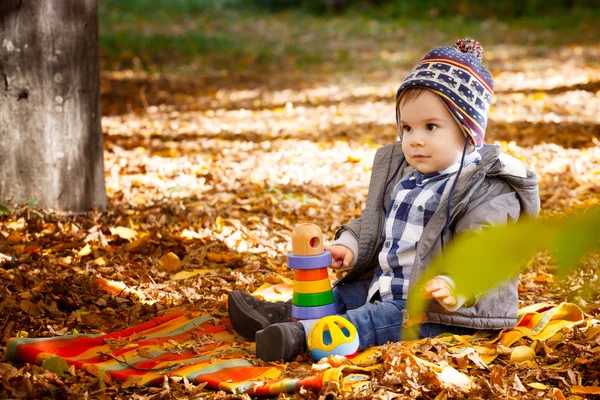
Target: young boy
pixel 437 181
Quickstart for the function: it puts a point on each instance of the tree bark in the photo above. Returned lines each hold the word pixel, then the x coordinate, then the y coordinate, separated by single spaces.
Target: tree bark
pixel 51 149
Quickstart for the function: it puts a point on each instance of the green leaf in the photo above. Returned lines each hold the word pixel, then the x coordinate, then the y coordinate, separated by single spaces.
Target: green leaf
pixel 32 203
pixel 56 364
pixel 579 236
pixel 478 262
pixel 4 209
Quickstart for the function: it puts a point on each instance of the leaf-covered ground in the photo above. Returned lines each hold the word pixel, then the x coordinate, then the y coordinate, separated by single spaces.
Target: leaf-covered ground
pixel 217 169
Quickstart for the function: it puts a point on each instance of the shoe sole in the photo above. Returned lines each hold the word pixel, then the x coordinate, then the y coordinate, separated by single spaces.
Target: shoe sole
pixel 269 343
pixel 245 320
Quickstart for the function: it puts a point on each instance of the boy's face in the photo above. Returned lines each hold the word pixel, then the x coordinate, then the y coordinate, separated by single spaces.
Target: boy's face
pixel 431 138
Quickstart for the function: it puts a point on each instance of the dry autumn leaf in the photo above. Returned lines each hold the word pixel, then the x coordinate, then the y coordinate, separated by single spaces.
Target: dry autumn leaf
pixel 537 385
pixel 189 273
pixel 585 389
pixel 137 244
pixel 86 250
pixel 171 262
pixel 522 354
pixel 223 257
pixel 123 232
pixel 30 308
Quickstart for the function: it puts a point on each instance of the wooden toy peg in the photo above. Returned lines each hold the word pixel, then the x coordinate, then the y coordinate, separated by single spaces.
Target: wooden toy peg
pixel 307 240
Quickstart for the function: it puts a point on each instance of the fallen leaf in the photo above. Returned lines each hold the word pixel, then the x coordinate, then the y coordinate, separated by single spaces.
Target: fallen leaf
pixel 521 354
pixel 123 232
pixel 189 273
pixel 517 385
pixel 55 364
pixel 137 244
pixel 100 261
pixel 353 159
pixel 223 257
pixel 144 352
pixel 86 250
pixel 537 385
pixel 450 377
pixel 585 389
pixel 7 371
pixel 30 308
pixel 14 237
pixel 558 395
pixel 171 262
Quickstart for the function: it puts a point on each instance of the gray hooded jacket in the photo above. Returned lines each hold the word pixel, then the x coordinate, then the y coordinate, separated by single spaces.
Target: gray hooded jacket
pixel 497 190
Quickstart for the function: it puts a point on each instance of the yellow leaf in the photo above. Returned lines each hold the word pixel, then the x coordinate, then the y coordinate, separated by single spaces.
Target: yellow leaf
pixel 123 232
pixel 100 261
pixel 65 261
pixel 585 389
pixel 87 249
pixel 188 274
pixel 219 223
pixel 522 354
pixel 171 262
pixel 136 244
pixel 537 385
pixel 353 159
pixel 539 96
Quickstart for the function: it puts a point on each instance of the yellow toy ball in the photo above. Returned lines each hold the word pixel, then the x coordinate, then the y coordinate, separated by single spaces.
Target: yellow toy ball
pixel 332 335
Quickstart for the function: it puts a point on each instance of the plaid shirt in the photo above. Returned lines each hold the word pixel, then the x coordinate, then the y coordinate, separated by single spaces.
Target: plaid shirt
pixel 414 200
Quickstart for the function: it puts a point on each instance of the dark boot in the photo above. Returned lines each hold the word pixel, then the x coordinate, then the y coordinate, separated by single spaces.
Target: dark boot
pixel 249 314
pixel 280 341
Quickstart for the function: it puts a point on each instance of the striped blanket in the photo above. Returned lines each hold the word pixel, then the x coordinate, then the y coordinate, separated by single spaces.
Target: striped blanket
pixel 205 349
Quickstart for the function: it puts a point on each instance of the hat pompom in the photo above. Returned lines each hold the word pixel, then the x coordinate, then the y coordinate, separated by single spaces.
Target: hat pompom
pixel 469 45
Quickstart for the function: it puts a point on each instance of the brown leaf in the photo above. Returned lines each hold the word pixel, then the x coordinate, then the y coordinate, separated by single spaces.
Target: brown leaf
pixel 7 371
pixel 516 384
pixel 223 257
pixel 497 375
pixel 30 308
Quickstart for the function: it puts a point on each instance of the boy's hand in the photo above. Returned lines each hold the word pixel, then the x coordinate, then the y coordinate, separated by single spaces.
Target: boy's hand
pixel 440 290
pixel 341 255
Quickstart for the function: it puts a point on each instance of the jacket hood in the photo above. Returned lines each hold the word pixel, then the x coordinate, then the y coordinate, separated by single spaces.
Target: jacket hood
pixel 512 170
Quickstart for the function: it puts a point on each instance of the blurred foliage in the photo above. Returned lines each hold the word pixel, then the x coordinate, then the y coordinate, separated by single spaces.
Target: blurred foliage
pixel 435 8
pixel 391 8
pixel 233 37
pixel 479 262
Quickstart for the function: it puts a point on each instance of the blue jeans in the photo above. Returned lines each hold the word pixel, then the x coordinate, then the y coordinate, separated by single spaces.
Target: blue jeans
pixel 381 321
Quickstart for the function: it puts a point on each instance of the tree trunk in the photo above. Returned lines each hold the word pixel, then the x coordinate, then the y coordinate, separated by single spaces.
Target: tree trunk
pixel 50 137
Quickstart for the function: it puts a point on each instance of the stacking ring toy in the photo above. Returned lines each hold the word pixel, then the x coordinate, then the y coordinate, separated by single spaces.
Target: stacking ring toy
pixel 313 297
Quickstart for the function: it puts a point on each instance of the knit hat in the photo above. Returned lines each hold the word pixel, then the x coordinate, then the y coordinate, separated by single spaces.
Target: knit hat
pixel 462 82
